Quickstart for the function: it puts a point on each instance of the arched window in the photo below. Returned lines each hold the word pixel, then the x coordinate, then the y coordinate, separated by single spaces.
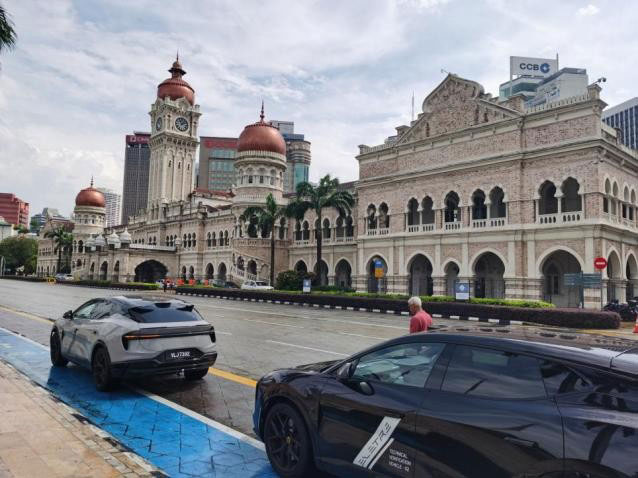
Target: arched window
pixel 497 203
pixel 194 240
pixel 413 212
pixel 479 209
pixel 548 203
pixel 325 232
pixel 306 231
pixel 427 210
pixel 571 200
pixel 371 215
pixel 282 228
pixel 213 241
pixel 349 227
pixel 262 172
pixel 452 210
pixel 384 216
pixel 298 234
pixel 250 175
pixel 209 242
pixel 339 230
pixel 272 177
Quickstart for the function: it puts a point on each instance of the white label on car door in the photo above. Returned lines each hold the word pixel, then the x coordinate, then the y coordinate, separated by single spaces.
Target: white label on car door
pixel 378 442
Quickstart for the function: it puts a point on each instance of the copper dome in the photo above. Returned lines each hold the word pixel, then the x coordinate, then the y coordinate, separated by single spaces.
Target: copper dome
pixel 90 197
pixel 174 87
pixel 261 136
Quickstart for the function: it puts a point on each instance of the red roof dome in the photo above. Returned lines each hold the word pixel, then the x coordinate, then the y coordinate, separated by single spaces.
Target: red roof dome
pixel 261 136
pixel 174 87
pixel 90 197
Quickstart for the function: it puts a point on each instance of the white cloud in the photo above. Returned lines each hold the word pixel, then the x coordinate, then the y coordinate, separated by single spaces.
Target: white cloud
pixel 588 11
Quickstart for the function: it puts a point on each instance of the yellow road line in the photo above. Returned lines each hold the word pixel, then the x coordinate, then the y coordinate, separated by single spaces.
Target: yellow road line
pixel 25 314
pixel 213 371
pixel 233 377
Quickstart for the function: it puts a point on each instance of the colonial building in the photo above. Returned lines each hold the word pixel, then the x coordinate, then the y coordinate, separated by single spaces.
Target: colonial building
pixel 507 198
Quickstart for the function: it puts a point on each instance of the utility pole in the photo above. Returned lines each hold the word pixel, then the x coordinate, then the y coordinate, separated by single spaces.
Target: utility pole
pixel 2 262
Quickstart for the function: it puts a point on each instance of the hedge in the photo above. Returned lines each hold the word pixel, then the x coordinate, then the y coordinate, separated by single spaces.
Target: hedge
pixel 93 283
pixel 578 318
pixel 25 278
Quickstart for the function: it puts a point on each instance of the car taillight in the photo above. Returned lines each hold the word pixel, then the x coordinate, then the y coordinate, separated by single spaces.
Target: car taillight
pixel 128 337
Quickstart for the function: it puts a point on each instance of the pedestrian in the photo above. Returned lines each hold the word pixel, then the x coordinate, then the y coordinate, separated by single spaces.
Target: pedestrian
pixel 164 285
pixel 420 320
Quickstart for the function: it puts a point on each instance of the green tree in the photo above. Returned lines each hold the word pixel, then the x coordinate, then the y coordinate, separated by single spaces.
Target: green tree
pixel 7 33
pixel 18 251
pixel 265 219
pixel 62 241
pixel 316 198
pixel 20 228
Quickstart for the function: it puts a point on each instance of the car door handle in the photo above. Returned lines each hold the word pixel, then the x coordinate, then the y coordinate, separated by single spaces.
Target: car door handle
pixel 521 442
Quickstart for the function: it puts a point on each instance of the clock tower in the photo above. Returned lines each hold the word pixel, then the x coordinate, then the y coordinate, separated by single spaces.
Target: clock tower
pixel 173 143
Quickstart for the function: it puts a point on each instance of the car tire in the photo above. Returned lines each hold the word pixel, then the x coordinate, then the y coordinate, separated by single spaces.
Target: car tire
pixel 287 442
pixel 57 358
pixel 195 374
pixel 101 369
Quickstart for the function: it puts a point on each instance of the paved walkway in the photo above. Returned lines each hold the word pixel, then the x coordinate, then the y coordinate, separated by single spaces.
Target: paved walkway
pixel 42 437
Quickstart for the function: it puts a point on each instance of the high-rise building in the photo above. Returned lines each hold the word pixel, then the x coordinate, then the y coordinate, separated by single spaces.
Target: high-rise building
pixel 14 210
pixel 624 117
pixel 113 206
pixel 39 220
pixel 565 83
pixel 298 155
pixel 217 163
pixel 136 166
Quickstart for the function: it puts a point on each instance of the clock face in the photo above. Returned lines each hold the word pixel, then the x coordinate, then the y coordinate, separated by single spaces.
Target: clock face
pixel 181 124
pixel 158 124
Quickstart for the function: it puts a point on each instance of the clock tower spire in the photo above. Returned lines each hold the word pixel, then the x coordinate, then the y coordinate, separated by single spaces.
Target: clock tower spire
pixel 174 120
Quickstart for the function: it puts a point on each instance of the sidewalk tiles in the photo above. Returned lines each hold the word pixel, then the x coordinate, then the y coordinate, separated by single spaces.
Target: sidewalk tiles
pixel 176 440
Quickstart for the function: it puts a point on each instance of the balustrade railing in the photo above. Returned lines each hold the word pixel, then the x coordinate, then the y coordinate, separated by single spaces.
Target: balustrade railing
pixel 453 226
pixel 560 218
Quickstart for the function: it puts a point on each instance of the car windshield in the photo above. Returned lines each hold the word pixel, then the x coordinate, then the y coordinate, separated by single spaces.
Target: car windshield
pixel 164 312
pixel 260 283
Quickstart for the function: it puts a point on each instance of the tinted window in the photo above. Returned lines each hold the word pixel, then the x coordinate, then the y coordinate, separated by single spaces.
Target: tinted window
pixel 164 312
pixel 101 310
pixel 560 379
pixel 493 374
pixel 84 311
pixel 403 364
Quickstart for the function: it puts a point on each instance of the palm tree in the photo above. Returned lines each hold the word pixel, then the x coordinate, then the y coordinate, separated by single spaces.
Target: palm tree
pixel 62 239
pixel 326 195
pixel 265 219
pixel 7 33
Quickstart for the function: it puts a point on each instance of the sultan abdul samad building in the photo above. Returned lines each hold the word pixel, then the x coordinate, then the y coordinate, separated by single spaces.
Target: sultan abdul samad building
pixel 506 198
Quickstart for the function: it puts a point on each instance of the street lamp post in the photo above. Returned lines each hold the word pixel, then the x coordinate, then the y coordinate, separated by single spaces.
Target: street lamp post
pixel 2 262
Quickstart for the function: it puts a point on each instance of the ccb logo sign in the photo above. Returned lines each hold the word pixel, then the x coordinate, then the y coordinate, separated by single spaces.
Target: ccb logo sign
pixel 543 68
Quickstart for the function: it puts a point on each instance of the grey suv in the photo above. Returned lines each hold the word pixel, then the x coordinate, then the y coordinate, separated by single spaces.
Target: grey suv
pixel 122 336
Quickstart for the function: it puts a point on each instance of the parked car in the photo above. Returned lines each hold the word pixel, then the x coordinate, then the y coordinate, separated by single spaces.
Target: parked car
pixel 459 402
pixel 256 285
pixel 123 336
pixel 63 277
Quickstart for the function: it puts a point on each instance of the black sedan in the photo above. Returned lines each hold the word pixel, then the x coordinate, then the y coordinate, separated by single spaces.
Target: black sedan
pixel 459 402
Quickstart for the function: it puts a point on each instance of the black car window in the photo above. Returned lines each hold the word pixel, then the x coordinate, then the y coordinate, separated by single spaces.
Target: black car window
pixel 402 364
pixel 102 310
pixel 164 312
pixel 488 373
pixel 561 379
pixel 85 310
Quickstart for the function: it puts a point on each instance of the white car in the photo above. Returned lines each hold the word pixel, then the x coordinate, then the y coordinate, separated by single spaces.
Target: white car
pixel 63 277
pixel 256 285
pixel 119 337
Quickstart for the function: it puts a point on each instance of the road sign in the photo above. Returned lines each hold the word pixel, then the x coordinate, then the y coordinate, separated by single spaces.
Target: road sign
pixel 572 279
pixel 600 263
pixel 306 285
pixel 592 281
pixel 462 290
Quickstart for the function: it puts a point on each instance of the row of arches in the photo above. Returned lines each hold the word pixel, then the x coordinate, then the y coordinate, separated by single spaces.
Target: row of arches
pixel 343 228
pixel 213 240
pixel 260 176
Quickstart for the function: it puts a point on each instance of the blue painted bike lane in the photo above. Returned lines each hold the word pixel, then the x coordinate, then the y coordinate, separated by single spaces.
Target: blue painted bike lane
pixel 176 440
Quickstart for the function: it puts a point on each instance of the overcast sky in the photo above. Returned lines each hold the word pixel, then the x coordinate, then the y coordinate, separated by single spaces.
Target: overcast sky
pixel 84 73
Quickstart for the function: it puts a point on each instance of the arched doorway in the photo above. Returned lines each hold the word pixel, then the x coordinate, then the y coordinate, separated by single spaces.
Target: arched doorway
pixel 451 276
pixel 300 266
pixel 210 272
pixel 104 270
pixel 377 284
pixel 252 267
pixel 183 273
pixel 322 273
pixel 150 271
pixel 343 274
pixel 614 277
pixel 631 271
pixel 420 279
pixel 91 271
pixel 488 276
pixel 191 273
pixel 221 272
pixel 116 272
pixel 554 268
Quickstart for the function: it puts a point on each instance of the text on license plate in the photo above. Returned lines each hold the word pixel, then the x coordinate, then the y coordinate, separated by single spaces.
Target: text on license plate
pixel 179 354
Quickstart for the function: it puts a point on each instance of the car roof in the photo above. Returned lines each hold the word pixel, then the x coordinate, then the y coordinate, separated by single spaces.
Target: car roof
pixel 141 301
pixel 600 350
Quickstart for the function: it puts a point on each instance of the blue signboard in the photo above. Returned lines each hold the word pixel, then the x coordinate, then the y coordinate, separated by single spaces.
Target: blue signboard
pixel 462 290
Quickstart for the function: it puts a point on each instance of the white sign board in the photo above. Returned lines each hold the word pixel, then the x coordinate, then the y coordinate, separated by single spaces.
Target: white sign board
pixel 306 285
pixel 535 67
pixel 462 291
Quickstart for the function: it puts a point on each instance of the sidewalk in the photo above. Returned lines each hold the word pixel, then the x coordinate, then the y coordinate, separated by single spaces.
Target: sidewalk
pixel 42 437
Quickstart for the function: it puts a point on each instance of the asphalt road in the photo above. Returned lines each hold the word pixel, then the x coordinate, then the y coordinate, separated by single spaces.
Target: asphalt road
pixel 253 339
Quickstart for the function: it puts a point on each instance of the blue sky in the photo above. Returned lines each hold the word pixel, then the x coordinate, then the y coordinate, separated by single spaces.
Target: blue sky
pixel 84 72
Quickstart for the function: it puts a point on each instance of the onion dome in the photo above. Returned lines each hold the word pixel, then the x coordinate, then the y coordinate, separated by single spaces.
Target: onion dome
pixel 113 239
pixel 99 241
pixel 174 87
pixel 90 197
pixel 261 136
pixel 125 237
pixel 90 242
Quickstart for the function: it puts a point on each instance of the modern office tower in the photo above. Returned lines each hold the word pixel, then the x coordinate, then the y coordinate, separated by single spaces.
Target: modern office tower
pixel 136 166
pixel 624 117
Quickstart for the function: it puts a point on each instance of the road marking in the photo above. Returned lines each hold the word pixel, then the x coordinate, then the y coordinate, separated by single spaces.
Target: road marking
pixel 222 333
pixel 27 315
pixel 273 323
pixel 307 348
pixel 364 336
pixel 232 377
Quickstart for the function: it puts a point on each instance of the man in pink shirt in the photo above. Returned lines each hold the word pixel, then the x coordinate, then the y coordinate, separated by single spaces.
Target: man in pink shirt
pixel 420 320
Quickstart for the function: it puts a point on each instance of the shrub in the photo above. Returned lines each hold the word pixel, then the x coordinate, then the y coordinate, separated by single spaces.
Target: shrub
pixel 292 280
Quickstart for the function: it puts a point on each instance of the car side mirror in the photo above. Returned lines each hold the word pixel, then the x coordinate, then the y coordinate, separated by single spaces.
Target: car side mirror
pixel 68 315
pixel 345 371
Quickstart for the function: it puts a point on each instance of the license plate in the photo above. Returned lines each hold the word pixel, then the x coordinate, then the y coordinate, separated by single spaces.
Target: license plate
pixel 179 355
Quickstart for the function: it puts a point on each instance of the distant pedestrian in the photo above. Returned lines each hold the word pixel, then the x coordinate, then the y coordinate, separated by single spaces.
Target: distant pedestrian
pixel 420 320
pixel 164 285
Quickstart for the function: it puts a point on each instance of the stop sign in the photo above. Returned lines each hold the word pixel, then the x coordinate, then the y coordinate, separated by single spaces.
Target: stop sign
pixel 600 263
